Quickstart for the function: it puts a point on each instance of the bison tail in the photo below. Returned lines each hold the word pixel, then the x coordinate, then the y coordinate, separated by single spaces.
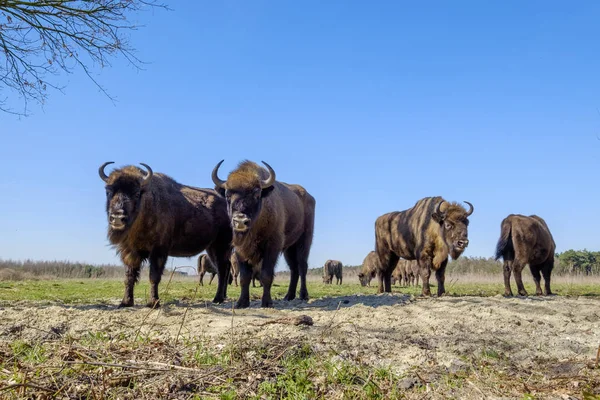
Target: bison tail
pixel 504 245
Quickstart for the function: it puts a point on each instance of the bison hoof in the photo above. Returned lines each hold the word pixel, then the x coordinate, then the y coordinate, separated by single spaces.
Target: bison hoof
pixel 242 304
pixel 153 304
pixel 289 297
pixel 508 294
pixel 523 293
pixel 267 304
pixel 218 299
pixel 125 304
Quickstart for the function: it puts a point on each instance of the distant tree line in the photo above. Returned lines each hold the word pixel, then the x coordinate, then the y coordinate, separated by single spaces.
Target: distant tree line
pixel 18 270
pixel 570 262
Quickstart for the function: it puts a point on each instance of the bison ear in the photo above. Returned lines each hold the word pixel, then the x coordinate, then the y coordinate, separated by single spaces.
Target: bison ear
pixel 361 275
pixel 267 191
pixel 220 190
pixel 438 217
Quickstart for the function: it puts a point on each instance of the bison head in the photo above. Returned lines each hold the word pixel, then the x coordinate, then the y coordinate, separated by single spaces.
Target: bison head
pixel 124 191
pixel 244 191
pixel 454 222
pixel 365 279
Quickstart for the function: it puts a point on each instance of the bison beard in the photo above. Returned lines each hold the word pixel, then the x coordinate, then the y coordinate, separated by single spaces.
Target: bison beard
pixel 330 269
pixel 152 217
pixel 268 217
pixel 526 240
pixel 428 232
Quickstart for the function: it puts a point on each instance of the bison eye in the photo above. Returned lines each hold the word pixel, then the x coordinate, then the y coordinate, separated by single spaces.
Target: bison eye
pixel 448 226
pixel 108 192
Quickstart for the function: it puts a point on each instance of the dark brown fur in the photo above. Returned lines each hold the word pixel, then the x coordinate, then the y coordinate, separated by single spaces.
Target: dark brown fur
pixel 206 266
pixel 330 269
pixel 163 218
pixel 421 233
pixel 268 217
pixel 369 269
pixel 526 240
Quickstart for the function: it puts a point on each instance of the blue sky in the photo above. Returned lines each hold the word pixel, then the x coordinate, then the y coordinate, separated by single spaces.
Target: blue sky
pixel 370 106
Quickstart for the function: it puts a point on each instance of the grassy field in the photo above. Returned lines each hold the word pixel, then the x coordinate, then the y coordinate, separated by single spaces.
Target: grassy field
pixel 103 291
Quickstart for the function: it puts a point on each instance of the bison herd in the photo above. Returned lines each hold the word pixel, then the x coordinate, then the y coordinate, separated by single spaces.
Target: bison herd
pixel 248 220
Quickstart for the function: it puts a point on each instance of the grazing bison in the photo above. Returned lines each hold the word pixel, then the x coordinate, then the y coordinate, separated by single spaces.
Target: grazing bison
pixel 152 216
pixel 235 272
pixel 206 266
pixel 331 268
pixel 526 240
pixel 428 232
pixel 369 269
pixel 268 217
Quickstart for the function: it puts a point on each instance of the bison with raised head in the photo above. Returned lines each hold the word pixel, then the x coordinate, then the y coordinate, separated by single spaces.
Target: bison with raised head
pixel 268 217
pixel 428 232
pixel 526 240
pixel 369 269
pixel 206 266
pixel 151 217
pixel 330 269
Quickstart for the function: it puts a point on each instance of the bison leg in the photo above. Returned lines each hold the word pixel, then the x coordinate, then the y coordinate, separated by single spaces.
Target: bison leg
pixel 267 273
pixel 245 278
pixel 220 254
pixel 201 278
pixel 388 261
pixel 547 272
pixel 517 269
pixel 158 260
pixel 297 259
pixel 537 277
pixel 440 276
pixel 212 276
pixel 507 270
pixel 425 271
pixel 132 276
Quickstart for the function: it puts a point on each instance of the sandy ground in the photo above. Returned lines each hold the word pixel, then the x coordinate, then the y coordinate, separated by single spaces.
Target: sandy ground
pixel 388 330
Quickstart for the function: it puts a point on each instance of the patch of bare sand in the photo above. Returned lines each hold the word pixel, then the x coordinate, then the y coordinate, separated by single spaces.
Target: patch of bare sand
pixel 382 330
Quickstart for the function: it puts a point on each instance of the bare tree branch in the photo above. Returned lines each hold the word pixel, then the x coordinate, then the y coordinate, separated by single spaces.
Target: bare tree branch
pixel 41 38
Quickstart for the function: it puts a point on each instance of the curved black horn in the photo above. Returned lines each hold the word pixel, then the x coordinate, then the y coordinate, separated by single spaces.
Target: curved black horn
pixel 471 208
pixel 437 209
pixel 101 171
pixel 270 180
pixel 215 176
pixel 148 175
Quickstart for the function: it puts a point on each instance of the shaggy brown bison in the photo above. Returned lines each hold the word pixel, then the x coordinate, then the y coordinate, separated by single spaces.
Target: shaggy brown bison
pixel 526 240
pixel 330 269
pixel 206 266
pixel 428 232
pixel 235 272
pixel 369 269
pixel 268 217
pixel 151 216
